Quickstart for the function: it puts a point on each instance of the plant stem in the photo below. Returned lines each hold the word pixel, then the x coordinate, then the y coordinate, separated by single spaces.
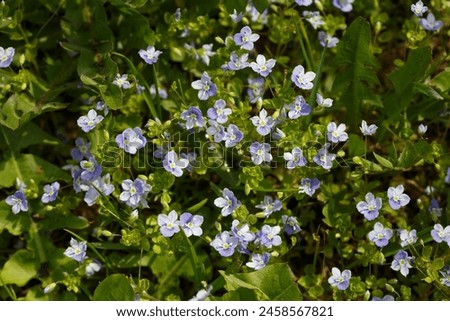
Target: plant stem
pixel 315 89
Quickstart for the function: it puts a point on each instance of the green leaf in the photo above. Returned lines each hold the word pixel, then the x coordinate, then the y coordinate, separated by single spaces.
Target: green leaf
pixel 275 282
pixel 359 65
pixel 356 146
pixel 28 135
pixel 196 207
pixel 27 167
pixel 239 5
pixel 261 5
pixel 197 267
pixel 116 287
pixel 54 221
pixel 15 224
pixel 21 267
pixel 442 81
pixel 383 161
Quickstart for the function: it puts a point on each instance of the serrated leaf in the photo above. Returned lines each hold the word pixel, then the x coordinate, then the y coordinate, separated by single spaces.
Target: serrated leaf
pixel 20 268
pixel 116 287
pixel 383 161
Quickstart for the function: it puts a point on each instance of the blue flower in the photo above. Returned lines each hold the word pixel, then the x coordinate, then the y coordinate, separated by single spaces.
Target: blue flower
pixel 93 267
pixel 202 294
pixel 18 202
pixel 162 93
pixel 260 153
pixel 121 81
pixel 150 55
pixel 193 117
pixel 191 224
pixel 90 170
pixel 225 244
pixel 100 186
pixel 370 207
pixel 336 133
pixel 397 198
pixel 445 272
pixel 6 56
pixel 301 79
pixel 76 250
pixel 215 130
pixel 407 237
pixel 206 88
pixel 340 280
pixel 173 165
pixel 314 18
pixel 101 106
pixel 134 192
pixel 304 3
pixel 435 208
pixel 323 102
pixel 131 140
pixel 441 234
pixel 169 224
pixel 243 235
pixel 232 136
pixel 430 23
pixel 245 38
pixel 50 192
pixel 327 40
pixel 298 108
pixel 291 225
pixel 263 122
pixel 236 16
pixel 343 5
pixel 268 236
pixel 255 89
pixel 309 186
pixel 323 158
pixel 387 297
pixel 263 66
pixel 447 176
pixel 228 202
pixel 258 261
pixel 236 62
pixel 418 8
pixel 88 122
pixel 219 112
pixel 368 130
pixel 269 205
pixel 422 129
pixel 191 157
pixel 402 262
pixel 380 235
pixel 294 158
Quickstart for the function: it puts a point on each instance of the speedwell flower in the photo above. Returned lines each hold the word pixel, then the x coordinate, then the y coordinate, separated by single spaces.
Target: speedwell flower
pixel 397 198
pixel 50 192
pixel 380 235
pixel 228 202
pixel 206 88
pixel 260 153
pixel 340 280
pixel 295 158
pixel 135 192
pixel 88 122
pixel 168 223
pixel 258 261
pixel 18 202
pixel 370 207
pixel 298 108
pixel 6 56
pixel 301 79
pixel 309 186
pixel 263 66
pixel 76 250
pixel 402 262
pixel 131 140
pixel 173 165
pixel 263 122
pixel 245 38
pixel 336 133
pixel 150 55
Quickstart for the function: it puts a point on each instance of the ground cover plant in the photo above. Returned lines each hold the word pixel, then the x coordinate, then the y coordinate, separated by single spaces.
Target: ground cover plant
pixel 224 150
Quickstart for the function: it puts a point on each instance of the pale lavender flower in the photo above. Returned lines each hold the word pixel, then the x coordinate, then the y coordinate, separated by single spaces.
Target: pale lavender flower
pixel 191 224
pixel 327 40
pixel 434 208
pixel 340 280
pixel 202 294
pixel 191 157
pixel 18 202
pixel 447 176
pixel 422 129
pixel 245 38
pixel 370 207
pixel 397 198
pixel 402 262
pixel 269 205
pixel 193 117
pixel 324 158
pixel 219 112
pixel 295 158
pixel 263 122
pixel 387 297
pixel 304 3
pixel 150 55
pixel 236 16
pixel 225 244
pixel 135 192
pixel 418 8
pixel 263 66
pixel 6 56
pixel 131 140
pixel 237 62
pixel 336 133
pixel 93 267
pixel 298 108
pixel 169 224
pixel 206 88
pixel 173 165
pixel 407 237
pixel 430 23
pixel 441 234
pixel 243 235
pixel 101 106
pixel 88 122
pixel 81 151
pixel 301 79
pixel 368 130
pixel 291 225
pixel 232 136
pixel 343 5
pixel 216 130
pixel 260 153
pixel 162 93
pixel 380 235
pixel 50 192
pixel 205 53
pixel 90 170
pixel 309 186
pixel 121 81
pixel 258 261
pixel 228 202
pixel 314 18
pixel 323 102
pixel 255 89
pixel 76 250
pixel 100 186
pixel 445 272
pixel 268 236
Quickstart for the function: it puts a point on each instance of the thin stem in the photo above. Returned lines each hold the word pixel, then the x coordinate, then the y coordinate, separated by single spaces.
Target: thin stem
pixel 315 89
pixel 300 36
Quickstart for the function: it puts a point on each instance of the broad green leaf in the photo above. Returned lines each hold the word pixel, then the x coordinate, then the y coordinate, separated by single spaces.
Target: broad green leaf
pixel 358 73
pixel 383 161
pixel 275 282
pixel 28 135
pixel 356 146
pixel 116 287
pixel 15 224
pixel 197 266
pixel 442 81
pixel 239 5
pixel 54 221
pixel 261 5
pixel 21 267
pixel 27 167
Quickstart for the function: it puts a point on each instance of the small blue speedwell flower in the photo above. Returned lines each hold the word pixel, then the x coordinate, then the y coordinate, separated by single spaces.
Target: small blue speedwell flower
pixel 150 55
pixel 245 38
pixel 269 205
pixel 268 236
pixel 6 56
pixel 168 223
pixel 340 280
pixel 228 202
pixel 193 117
pixel 131 140
pixel 260 153
pixel 121 81
pixel 50 192
pixel 380 235
pixel 298 108
pixel 237 62
pixel 225 243
pixel 295 158
pixel 18 202
pixel 323 102
pixel 314 18
pixel 135 192
pixel 407 237
pixel 370 207
pixel 336 133
pixel 304 3
pixel 76 250
pixel 191 224
pixel 232 136
pixel 402 262
pixel 88 122
pixel 343 5
pixel 397 198
pixel 258 261
pixel 219 112
pixel 291 225
pixel 301 79
pixel 418 8
pixel 206 88
pixel 327 40
pixel 263 123
pixel 309 186
pixel 368 130
pixel 441 234
pixel 255 89
pixel 263 66
pixel 173 165
pixel 430 23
